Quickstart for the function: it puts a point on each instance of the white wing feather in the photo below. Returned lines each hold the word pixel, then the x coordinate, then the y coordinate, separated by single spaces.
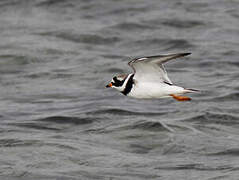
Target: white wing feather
pixel 151 69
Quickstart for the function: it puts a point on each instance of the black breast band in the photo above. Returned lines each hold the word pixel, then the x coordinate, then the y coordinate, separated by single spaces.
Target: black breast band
pixel 129 85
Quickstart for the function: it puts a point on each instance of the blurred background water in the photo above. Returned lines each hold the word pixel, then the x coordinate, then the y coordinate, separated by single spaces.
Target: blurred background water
pixel 57 121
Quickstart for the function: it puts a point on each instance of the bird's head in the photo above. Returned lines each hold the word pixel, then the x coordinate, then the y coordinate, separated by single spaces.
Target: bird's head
pixel 118 82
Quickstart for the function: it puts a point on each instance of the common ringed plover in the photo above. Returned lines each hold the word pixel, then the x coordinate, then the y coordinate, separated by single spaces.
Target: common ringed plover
pixel 150 79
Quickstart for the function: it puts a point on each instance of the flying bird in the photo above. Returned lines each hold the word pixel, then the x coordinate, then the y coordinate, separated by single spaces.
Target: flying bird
pixel 150 80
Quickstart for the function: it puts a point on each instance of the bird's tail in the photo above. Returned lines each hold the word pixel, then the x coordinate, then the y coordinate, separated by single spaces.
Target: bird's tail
pixel 189 90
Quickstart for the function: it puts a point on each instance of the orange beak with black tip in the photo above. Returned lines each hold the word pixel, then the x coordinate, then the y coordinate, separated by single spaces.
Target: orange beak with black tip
pixel 108 85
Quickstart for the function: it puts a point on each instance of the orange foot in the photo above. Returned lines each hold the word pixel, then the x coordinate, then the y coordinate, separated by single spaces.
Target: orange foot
pixel 181 98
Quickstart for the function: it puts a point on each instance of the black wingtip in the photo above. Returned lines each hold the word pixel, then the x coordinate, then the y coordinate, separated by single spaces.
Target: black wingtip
pixel 185 54
pixel 193 90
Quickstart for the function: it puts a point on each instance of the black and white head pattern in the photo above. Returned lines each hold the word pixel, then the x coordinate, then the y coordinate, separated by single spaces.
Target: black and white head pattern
pixel 123 83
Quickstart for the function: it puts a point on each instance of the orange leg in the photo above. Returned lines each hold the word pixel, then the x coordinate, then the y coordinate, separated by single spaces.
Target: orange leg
pixel 181 98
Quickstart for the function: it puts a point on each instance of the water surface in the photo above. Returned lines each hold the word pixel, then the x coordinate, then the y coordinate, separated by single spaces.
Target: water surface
pixel 57 121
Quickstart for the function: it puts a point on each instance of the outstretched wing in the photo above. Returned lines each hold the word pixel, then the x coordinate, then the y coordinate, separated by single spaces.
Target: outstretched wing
pixel 151 68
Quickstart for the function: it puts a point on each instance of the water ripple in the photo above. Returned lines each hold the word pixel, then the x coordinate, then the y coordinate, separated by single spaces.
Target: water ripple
pixel 130 26
pixel 123 112
pixel 16 142
pixel 199 167
pixel 149 125
pixel 166 43
pixel 182 24
pixel 68 120
pixel 83 38
pixel 210 118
